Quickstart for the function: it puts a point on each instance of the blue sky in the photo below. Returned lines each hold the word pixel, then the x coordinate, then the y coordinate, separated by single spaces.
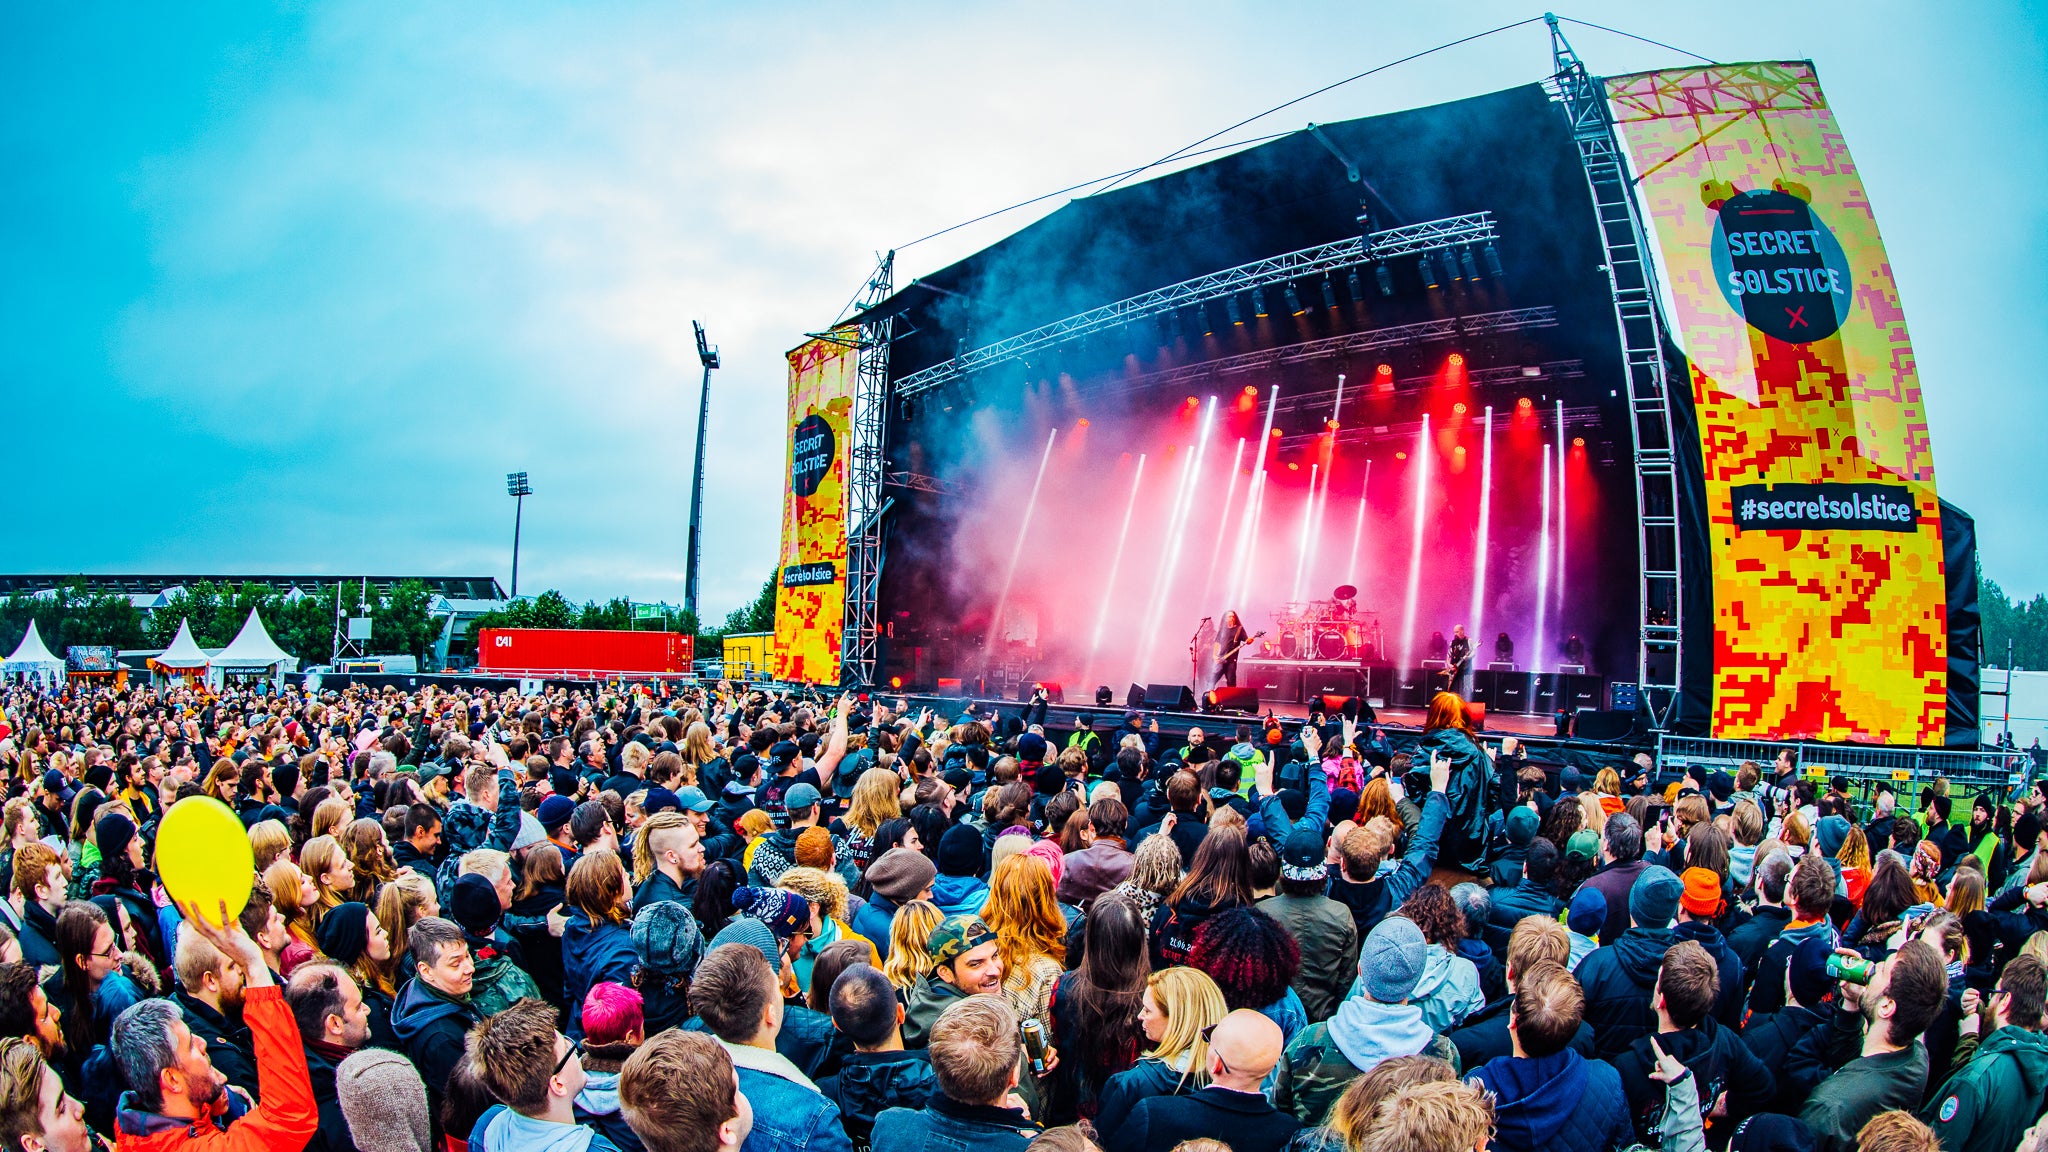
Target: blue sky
pixel 291 287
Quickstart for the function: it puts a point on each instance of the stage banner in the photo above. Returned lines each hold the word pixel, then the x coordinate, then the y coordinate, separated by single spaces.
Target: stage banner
pixel 1829 599
pixel 810 585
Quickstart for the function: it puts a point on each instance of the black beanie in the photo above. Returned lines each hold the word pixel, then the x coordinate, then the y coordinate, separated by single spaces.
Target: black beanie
pixel 112 833
pixel 475 904
pixel 344 932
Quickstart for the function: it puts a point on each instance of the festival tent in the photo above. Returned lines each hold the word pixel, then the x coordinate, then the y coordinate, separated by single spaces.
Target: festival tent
pixel 33 659
pixel 184 655
pixel 252 654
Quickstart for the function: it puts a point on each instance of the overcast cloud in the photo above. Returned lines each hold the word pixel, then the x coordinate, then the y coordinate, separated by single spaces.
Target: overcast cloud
pixel 291 288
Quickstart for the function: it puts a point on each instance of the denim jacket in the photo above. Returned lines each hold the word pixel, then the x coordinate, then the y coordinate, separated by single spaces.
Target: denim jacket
pixel 790 1114
pixel 946 1125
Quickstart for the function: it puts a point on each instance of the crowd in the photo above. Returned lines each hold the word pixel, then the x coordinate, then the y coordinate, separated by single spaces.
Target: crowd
pixel 715 918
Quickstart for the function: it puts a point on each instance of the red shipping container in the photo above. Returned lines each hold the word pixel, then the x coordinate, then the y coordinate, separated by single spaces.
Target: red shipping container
pixel 582 651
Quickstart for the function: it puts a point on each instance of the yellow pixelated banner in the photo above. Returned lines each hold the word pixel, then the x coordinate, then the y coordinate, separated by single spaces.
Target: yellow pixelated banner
pixel 1830 619
pixel 810 590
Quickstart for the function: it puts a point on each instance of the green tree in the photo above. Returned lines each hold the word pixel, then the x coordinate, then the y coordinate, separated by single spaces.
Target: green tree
pixel 400 624
pixel 2023 623
pixel 756 617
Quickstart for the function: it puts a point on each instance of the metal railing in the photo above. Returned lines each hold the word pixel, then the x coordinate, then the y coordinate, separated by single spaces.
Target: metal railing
pixel 1863 763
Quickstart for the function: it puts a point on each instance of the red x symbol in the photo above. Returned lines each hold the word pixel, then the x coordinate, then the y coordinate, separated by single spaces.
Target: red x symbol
pixel 1798 317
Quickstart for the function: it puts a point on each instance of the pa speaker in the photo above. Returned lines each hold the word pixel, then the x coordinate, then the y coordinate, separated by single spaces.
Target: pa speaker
pixel 1592 725
pixel 1135 698
pixel 1172 697
pixel 1224 698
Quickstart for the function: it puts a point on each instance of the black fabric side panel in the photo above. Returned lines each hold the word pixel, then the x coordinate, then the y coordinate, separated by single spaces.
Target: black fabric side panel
pixel 1965 625
pixel 1694 715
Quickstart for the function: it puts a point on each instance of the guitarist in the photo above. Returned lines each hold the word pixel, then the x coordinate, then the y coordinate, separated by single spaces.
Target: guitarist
pixel 1230 640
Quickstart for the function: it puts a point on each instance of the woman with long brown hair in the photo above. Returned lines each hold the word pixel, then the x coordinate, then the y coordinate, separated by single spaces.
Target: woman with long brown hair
pixel 1030 933
pixel 1095 1010
pixel 369 854
pixel 540 893
pixel 325 862
pixel 297 902
pixel 1218 880
pixel 597 943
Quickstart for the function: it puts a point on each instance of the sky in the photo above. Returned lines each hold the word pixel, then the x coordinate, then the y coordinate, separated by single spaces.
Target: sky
pixel 291 287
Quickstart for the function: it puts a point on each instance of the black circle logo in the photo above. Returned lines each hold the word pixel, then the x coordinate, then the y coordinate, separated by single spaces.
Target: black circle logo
pixel 811 453
pixel 1780 268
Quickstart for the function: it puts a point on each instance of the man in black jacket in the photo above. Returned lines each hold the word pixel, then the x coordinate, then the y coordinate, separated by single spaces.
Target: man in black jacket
pixel 333 1023
pixel 1688 981
pixel 422 841
pixel 210 999
pixel 433 1013
pixel 1770 915
pixel 1810 999
pixel 878 1073
pixel 1529 897
pixel 1242 1050
pixel 1620 978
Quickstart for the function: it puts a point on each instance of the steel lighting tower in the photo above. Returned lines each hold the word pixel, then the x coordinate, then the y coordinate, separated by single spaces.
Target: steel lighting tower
pixel 708 356
pixel 517 487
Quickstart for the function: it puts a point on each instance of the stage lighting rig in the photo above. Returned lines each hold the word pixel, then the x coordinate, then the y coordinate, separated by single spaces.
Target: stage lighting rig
pixel 1385 275
pixel 1427 267
pixel 1352 286
pixel 1330 292
pixel 1471 266
pixel 1236 312
pixel 1293 299
pixel 1259 302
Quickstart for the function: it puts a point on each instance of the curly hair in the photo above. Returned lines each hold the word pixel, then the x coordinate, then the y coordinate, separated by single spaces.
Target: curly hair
pixel 1249 955
pixel 1433 911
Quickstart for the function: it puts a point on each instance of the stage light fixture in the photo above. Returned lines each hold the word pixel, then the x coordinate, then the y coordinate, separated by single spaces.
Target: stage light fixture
pixel 1293 299
pixel 1459 407
pixel 1191 401
pixel 1492 260
pixel 1294 467
pixel 1276 433
pixel 1173 332
pixel 1385 275
pixel 1208 329
pixel 1525 403
pixel 1331 423
pixel 1450 260
pixel 1104 697
pixel 1230 305
pixel 896 682
pixel 1081 423
pixel 1400 455
pixel 1259 302
pixel 1471 267
pixel 1578 441
pixel 1427 267
pixel 1457 359
pixel 1251 389
pixel 1386 371
pixel 1330 292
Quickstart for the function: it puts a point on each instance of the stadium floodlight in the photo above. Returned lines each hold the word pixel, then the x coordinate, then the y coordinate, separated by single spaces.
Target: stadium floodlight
pixel 519 488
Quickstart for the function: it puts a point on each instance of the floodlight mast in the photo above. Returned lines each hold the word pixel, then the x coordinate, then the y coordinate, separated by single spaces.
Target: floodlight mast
pixel 517 487
pixel 708 356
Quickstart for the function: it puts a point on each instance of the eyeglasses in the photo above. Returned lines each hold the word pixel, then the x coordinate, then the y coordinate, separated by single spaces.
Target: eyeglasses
pixel 575 1049
pixel 1205 1034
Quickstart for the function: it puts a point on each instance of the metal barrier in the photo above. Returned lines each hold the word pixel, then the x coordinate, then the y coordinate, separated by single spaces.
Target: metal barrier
pixel 1866 763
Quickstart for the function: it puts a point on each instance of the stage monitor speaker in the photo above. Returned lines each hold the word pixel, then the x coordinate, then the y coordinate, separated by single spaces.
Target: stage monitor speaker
pixel 1053 691
pixel 1275 684
pixel 1171 697
pixel 1135 698
pixel 1224 698
pixel 1622 696
pixel 1592 725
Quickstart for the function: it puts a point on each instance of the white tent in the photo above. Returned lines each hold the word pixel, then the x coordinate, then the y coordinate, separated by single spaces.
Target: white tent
pixel 252 653
pixel 184 653
pixel 32 659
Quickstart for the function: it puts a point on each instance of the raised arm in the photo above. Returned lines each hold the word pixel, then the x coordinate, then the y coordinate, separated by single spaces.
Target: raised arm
pixel 835 746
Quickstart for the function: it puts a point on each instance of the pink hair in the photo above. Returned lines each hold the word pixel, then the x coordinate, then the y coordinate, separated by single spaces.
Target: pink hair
pixel 1049 852
pixel 610 1013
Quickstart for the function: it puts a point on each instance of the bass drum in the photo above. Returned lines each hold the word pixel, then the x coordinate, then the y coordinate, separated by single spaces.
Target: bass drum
pixel 1290 645
pixel 1331 644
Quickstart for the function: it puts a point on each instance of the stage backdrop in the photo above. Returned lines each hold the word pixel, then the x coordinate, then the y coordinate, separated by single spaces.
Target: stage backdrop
pixel 810 593
pixel 1829 601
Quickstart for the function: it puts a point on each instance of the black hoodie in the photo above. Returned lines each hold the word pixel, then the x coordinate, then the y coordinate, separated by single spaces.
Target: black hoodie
pixel 1720 1062
pixel 1618 980
pixel 868 1082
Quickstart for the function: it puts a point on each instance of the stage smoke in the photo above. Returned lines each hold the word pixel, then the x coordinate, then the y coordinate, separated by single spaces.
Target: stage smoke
pixel 1542 570
pixel 1479 557
pixel 1422 450
pixel 1116 561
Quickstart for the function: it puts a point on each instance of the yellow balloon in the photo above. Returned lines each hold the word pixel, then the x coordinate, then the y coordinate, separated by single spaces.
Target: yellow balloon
pixel 204 857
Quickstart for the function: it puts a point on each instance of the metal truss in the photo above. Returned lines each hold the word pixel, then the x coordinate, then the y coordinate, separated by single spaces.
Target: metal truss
pixel 1360 435
pixel 1350 344
pixel 1455 231
pixel 1525 375
pixel 1632 282
pixel 867 435
pixel 919 482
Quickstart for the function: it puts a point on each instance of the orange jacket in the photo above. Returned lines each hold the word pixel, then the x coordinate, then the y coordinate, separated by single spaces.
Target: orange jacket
pixel 284 1122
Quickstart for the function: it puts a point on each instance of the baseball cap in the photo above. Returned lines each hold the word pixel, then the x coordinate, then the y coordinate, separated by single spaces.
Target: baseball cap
pixel 693 798
pixel 1302 858
pixel 799 796
pixel 1583 845
pixel 659 800
pixel 783 752
pixel 956 935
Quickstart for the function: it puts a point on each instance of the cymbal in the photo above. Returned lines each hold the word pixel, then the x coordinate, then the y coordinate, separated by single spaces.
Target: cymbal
pixel 1345 592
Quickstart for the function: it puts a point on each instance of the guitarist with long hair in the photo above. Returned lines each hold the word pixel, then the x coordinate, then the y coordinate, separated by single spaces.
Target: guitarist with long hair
pixel 1230 640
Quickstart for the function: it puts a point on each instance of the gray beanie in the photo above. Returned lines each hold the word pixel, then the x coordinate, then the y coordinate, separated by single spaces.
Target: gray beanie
pixel 1653 900
pixel 1390 963
pixel 751 932
pixel 901 874
pixel 667 938
pixel 383 1100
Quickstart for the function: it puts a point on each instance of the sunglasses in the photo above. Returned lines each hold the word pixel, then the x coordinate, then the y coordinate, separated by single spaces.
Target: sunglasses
pixel 575 1049
pixel 1205 1034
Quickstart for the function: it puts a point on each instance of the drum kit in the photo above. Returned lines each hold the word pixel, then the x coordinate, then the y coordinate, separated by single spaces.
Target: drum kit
pixel 1333 630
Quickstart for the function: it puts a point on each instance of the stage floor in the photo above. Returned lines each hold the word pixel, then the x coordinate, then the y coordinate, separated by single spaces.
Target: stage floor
pixel 1496 722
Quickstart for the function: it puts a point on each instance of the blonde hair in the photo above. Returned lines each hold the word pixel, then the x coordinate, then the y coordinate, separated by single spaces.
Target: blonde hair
pixel 1006 847
pixel 875 799
pixel 825 890
pixel 371 856
pixel 330 816
pixel 912 930
pixel 287 886
pixel 319 857
pixel 1966 892
pixel 1855 850
pixel 1592 814
pixel 1440 1114
pixel 1191 1002
pixel 1794 831
pixel 1351 1116
pixel 270 840
pixel 597 888
pixel 1607 782
pixel 643 847
pixel 754 823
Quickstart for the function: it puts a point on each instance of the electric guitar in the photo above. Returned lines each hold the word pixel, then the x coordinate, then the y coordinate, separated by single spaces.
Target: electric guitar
pixel 1235 648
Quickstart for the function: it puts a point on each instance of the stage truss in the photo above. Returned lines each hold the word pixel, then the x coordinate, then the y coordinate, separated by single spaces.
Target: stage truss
pixel 868 431
pixel 1632 280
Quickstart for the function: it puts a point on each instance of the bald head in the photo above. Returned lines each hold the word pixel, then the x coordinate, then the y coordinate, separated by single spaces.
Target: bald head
pixel 1244 1047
